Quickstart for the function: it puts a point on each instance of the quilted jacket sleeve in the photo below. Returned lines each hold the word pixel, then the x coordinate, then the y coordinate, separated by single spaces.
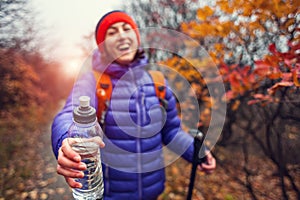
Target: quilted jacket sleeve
pixel 173 136
pixel 86 85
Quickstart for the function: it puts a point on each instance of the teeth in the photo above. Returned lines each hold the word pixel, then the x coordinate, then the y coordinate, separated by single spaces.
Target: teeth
pixel 123 47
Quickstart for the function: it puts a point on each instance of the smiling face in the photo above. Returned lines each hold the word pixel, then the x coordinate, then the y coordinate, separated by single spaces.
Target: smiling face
pixel 121 43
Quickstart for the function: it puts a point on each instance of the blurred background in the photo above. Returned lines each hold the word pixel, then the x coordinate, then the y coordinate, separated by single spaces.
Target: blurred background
pixel 254 44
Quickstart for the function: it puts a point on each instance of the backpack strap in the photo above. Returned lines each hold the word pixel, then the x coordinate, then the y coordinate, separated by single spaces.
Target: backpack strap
pixel 160 86
pixel 103 93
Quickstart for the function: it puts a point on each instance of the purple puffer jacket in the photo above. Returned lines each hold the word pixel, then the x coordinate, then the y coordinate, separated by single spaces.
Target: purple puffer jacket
pixel 137 130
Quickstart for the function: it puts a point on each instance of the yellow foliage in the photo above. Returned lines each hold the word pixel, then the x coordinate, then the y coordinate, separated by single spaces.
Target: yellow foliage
pixel 248 10
pixel 296 75
pixel 224 5
pixel 235 105
pixel 184 27
pixel 227 27
pixel 205 12
pixel 289 22
pixel 255 26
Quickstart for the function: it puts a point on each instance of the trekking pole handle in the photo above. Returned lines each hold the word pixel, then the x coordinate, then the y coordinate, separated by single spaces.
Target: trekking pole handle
pixel 199 153
pixel 198 141
pixel 196 134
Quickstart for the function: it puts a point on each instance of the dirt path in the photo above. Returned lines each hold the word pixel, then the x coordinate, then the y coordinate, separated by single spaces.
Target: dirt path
pixel 30 174
pixel 51 186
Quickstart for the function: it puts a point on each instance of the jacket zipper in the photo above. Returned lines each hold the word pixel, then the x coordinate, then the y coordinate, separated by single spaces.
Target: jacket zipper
pixel 139 123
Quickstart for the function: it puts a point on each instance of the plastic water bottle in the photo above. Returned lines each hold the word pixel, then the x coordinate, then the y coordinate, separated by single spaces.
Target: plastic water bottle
pixel 85 136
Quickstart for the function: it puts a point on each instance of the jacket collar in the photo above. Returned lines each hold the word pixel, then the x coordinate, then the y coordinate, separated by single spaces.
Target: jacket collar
pixel 114 69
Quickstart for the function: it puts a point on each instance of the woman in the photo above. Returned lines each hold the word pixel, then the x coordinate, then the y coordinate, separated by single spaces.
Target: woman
pixel 136 128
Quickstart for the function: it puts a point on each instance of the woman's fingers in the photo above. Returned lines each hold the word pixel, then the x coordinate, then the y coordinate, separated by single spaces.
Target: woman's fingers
pixel 72 183
pixel 69 162
pixel 66 172
pixel 210 165
pixel 66 162
pixel 68 152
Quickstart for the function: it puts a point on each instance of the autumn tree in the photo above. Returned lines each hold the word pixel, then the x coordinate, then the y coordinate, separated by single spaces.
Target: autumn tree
pixel 264 109
pixel 255 44
pixel 18 78
pixel 28 84
pixel 241 31
pixel 235 25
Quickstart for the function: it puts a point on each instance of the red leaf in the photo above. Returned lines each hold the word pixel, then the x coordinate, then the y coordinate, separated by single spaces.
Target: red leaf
pixel 262 68
pixel 294 47
pixel 258 96
pixel 245 71
pixel 224 69
pixel 229 95
pixel 234 82
pixel 286 76
pixel 251 102
pixel 272 49
pixel 233 67
pixel 252 79
pixel 288 62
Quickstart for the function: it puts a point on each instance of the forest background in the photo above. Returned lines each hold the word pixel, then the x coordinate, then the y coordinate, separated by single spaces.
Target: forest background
pixel 255 46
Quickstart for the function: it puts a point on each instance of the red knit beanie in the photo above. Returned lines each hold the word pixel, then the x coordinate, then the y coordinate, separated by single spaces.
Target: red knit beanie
pixel 109 19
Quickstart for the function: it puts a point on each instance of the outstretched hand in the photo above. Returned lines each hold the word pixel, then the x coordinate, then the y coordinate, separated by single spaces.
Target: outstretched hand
pixel 69 164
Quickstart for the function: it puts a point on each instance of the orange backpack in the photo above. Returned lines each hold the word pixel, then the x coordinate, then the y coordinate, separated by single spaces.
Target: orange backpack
pixel 104 91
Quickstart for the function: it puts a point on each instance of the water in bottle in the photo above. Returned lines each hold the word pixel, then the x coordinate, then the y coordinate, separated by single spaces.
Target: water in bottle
pixel 85 136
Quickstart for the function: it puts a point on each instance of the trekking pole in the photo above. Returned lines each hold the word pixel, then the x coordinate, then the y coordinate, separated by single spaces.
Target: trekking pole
pixel 198 141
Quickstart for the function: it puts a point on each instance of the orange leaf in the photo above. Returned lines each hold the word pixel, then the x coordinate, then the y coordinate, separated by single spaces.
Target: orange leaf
pixel 205 12
pixel 273 89
pixel 224 5
pixel 219 47
pixel 296 77
pixel 274 75
pixel 235 105
pixel 275 72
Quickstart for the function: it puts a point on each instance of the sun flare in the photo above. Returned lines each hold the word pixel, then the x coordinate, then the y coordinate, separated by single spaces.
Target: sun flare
pixel 71 68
